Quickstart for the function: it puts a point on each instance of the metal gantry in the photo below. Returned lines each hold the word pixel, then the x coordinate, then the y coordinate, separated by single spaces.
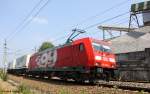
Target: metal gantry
pixel 109 29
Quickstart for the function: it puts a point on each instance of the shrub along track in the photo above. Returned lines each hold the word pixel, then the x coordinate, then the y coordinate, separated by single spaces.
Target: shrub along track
pixel 56 86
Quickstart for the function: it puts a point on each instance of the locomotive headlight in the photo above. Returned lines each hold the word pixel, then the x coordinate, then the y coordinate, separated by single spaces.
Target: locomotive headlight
pixel 98 58
pixel 111 59
pixel 96 64
pixel 112 66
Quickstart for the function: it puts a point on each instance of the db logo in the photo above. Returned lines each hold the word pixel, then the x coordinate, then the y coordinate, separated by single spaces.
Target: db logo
pixel 47 59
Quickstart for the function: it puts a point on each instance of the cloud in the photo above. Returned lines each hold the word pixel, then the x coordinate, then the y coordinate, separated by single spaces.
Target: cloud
pixel 40 20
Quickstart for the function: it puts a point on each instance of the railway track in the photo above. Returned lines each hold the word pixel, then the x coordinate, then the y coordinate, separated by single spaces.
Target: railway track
pixel 126 87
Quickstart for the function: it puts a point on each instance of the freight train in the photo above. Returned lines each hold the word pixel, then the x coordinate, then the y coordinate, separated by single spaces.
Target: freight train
pixel 81 60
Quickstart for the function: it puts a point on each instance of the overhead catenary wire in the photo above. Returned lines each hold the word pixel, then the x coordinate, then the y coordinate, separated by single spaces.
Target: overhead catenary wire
pixel 109 19
pixel 92 17
pixel 122 21
pixel 91 26
pixel 22 25
pixel 102 12
pixel 30 20
pixel 126 18
pixel 67 35
pixel 26 18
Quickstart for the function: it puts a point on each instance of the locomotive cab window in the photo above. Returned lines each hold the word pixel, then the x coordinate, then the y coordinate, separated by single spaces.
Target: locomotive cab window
pixel 100 47
pixel 81 47
pixel 97 47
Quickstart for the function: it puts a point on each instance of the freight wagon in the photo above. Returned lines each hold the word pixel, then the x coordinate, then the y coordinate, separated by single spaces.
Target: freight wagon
pixel 11 66
pixel 19 65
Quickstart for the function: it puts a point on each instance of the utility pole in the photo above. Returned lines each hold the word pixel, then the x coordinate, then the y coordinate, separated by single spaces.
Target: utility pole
pixel 35 49
pixel 5 56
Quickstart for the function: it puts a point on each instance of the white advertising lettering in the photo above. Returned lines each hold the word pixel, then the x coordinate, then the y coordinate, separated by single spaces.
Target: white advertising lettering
pixel 47 59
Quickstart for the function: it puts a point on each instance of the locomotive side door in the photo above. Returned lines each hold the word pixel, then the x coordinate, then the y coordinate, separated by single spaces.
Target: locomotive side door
pixel 79 55
pixel 75 55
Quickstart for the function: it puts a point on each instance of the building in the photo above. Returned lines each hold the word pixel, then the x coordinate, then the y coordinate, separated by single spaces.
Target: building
pixel 133 48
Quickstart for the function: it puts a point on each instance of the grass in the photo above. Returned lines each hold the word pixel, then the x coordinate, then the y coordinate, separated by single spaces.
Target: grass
pixel 115 87
pixel 24 89
pixel 141 92
pixel 63 91
pixel 1 91
pixel 3 75
pixel 82 92
pixel 21 89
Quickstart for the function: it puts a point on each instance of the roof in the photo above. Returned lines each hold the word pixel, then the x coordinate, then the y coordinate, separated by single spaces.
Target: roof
pixel 116 28
pixel 132 41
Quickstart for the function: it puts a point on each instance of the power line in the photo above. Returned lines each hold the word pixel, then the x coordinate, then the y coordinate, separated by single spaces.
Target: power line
pixel 92 17
pixel 26 18
pixel 93 25
pixel 30 20
pixel 85 28
pixel 122 22
pixel 119 22
pixel 103 12
pixel 61 38
pixel 105 21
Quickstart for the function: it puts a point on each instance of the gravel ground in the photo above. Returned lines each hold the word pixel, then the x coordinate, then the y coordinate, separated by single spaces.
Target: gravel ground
pixel 130 84
pixel 7 88
pixel 54 87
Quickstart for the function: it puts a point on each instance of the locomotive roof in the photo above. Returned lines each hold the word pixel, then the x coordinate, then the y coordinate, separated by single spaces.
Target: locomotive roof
pixel 78 40
pixel 94 40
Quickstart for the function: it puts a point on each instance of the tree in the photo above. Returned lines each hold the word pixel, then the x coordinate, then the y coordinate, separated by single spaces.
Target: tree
pixel 45 45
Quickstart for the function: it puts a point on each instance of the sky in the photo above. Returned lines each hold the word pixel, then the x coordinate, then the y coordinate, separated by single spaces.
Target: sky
pixel 55 22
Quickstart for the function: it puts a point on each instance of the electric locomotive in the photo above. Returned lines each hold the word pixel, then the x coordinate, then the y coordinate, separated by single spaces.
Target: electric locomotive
pixel 81 60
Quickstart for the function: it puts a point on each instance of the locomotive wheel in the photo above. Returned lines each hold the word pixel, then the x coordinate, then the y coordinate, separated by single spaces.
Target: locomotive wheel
pixel 108 77
pixel 64 78
pixel 92 81
pixel 79 81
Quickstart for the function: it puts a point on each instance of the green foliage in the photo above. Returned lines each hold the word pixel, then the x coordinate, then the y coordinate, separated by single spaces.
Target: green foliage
pixel 63 91
pixel 115 87
pixel 141 92
pixel 24 89
pixel 1 91
pixel 45 45
pixel 3 75
pixel 82 91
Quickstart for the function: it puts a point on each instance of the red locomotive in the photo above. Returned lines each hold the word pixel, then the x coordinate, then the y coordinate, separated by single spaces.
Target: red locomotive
pixel 80 60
